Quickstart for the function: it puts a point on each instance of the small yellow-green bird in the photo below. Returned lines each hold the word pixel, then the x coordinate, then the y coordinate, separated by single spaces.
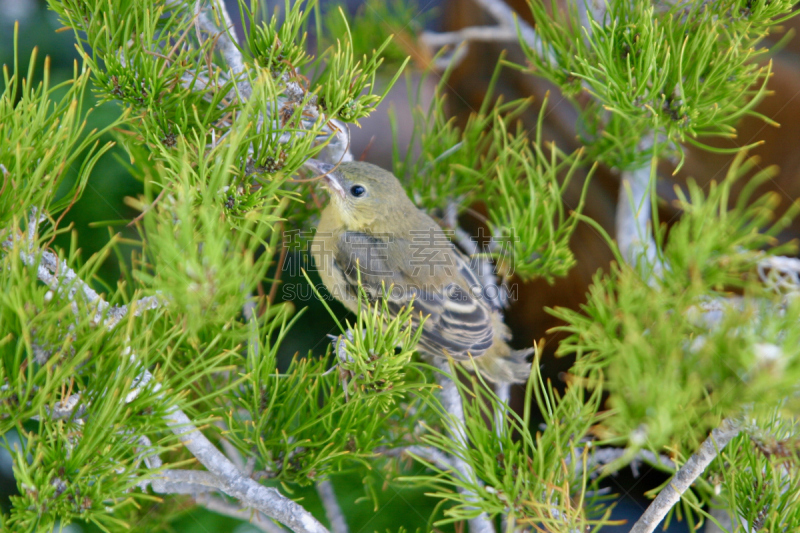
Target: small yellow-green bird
pixel 372 230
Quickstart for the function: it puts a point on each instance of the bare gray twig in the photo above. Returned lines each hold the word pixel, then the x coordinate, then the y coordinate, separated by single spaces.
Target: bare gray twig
pixel 210 15
pixel 636 244
pixel 470 33
pixel 781 274
pixel 498 300
pixel 222 474
pixel 224 507
pixel 230 450
pixel 431 455
pixel 65 282
pixel 598 457
pixel 509 29
pixel 227 42
pixel 683 479
pixel 633 217
pixel 184 482
pixel 591 10
pixel 332 508
pixel 233 482
pixel 507 17
pixel 451 402
pixel 66 408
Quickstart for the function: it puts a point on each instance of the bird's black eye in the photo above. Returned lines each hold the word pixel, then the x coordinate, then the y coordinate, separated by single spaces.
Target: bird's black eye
pixel 357 190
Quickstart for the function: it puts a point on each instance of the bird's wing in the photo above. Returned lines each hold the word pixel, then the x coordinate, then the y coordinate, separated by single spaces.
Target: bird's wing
pixel 457 323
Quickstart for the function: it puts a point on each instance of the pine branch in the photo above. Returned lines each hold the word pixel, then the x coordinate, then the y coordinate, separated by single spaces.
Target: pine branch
pixel 435 457
pixel 228 44
pixel 332 508
pixel 451 402
pixel 510 28
pixel 183 482
pixel 493 34
pixel 223 507
pixel 498 299
pixel 780 273
pixel 65 282
pixel 601 456
pixel 507 17
pixel 234 483
pixel 231 451
pixel 683 479
pixel 503 391
pixel 636 244
pixel 227 41
pixel 634 237
pixel 66 409
pixel 222 474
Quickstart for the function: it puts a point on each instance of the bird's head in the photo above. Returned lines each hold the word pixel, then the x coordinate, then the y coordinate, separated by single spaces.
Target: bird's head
pixel 362 194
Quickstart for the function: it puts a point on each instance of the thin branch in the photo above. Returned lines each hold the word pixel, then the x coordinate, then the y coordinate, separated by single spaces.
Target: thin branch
pixel 227 42
pixel 151 460
pixel 209 18
pixel 781 274
pixel 222 474
pixel 451 402
pixel 224 507
pixel 636 244
pixel 503 392
pixel 495 34
pixel 230 479
pixel 234 483
pixel 510 27
pixel 65 282
pixel 230 450
pixel 332 509
pixel 66 408
pixel 683 479
pixel 634 238
pixel 507 17
pixel 184 482
pixel 484 270
pixel 598 457
pixel 117 312
pixel 63 409
pixel 433 456
pixel 337 149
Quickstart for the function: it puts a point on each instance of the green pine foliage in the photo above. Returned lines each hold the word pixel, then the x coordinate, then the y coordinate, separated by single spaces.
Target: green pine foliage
pixel 302 437
pixel 521 474
pixel 678 70
pixel 42 139
pixel 347 77
pixel 492 159
pixel 762 492
pixel 374 22
pixel 625 336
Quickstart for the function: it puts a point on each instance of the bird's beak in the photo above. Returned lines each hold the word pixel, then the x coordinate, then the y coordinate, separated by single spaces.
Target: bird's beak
pixel 331 179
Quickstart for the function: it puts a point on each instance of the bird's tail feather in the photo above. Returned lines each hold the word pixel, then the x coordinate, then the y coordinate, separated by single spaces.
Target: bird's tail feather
pixel 504 365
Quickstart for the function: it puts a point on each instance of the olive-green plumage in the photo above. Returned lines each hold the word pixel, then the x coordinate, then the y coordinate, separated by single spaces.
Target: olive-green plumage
pixel 372 231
